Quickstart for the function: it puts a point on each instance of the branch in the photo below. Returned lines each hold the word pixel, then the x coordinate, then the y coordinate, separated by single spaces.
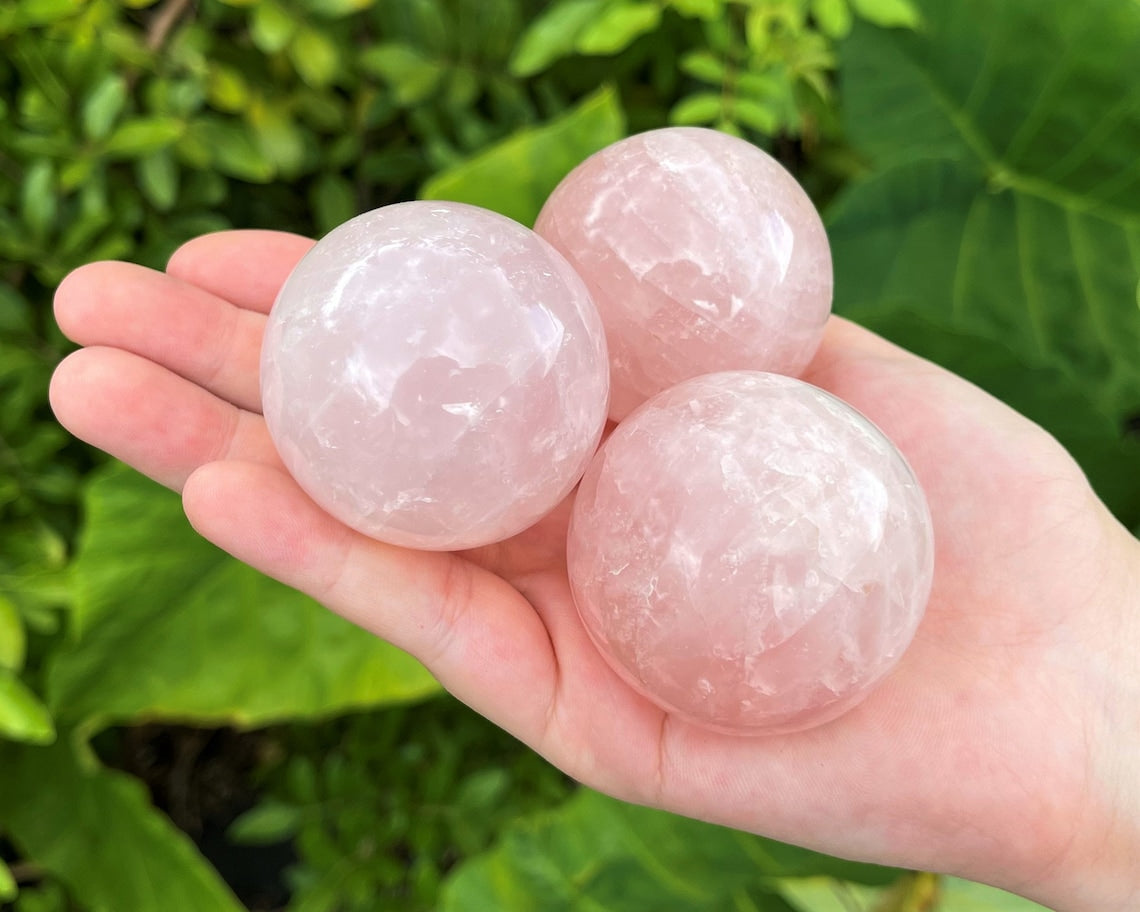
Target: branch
pixel 163 21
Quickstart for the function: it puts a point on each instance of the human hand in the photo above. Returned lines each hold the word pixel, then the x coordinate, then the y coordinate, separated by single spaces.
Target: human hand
pixel 1002 748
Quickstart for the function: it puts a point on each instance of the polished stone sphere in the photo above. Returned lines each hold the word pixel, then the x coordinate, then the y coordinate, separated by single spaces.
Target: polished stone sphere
pixel 702 253
pixel 750 553
pixel 434 375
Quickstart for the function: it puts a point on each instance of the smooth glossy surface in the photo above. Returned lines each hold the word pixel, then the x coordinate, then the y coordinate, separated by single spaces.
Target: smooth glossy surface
pixel 750 553
pixel 434 375
pixel 702 253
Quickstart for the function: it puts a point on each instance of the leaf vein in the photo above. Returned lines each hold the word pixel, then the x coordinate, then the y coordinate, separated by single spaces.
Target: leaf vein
pixel 1033 302
pixel 1096 307
pixel 1000 170
pixel 966 248
pixel 1093 138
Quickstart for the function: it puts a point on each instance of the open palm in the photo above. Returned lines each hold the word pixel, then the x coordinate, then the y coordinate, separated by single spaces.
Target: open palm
pixel 977 755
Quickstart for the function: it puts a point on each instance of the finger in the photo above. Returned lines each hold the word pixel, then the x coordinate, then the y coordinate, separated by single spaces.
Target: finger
pixel 192 332
pixel 246 268
pixel 158 422
pixel 476 633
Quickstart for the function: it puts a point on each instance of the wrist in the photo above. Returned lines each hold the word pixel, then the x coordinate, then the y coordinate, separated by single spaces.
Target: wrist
pixel 1100 869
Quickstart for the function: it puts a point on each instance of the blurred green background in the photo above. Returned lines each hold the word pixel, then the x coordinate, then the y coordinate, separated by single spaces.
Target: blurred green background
pixel 179 733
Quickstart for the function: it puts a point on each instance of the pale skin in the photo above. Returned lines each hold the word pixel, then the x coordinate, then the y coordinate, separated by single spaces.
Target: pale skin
pixel 1004 748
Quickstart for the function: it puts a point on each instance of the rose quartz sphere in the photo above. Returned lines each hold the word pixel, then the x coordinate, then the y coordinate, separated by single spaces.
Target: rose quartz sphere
pixel 702 253
pixel 434 375
pixel 750 553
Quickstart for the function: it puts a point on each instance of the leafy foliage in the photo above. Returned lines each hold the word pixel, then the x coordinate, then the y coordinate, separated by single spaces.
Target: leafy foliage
pixel 516 176
pixel 760 66
pixel 1002 223
pixel 594 852
pixel 383 805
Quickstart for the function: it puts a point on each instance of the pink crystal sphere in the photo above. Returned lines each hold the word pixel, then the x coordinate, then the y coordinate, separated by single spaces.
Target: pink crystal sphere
pixel 434 375
pixel 702 254
pixel 750 553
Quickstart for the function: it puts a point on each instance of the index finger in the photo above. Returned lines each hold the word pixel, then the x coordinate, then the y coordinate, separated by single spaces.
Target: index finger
pixel 245 267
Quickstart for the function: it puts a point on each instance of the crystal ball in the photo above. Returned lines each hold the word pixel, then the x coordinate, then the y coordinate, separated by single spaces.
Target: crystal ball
pixel 702 253
pixel 434 375
pixel 750 553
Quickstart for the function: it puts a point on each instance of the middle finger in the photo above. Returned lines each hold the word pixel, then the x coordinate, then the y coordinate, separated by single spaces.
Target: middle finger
pixel 179 326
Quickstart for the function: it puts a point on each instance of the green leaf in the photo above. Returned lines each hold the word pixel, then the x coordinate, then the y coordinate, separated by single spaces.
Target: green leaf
pixel 888 13
pixel 279 137
pixel 334 201
pixel 826 894
pixel 75 173
pixel 103 106
pixel 757 115
pixel 700 108
pixel 337 9
pixel 781 27
pixel 39 197
pixel 618 27
pixel 963 896
pixel 22 716
pixel 158 179
pixel 142 136
pixel 13 640
pixel 268 823
pixel 315 56
pixel 516 176
pixel 553 35
pixel 699 9
pixel 597 853
pixel 227 89
pixel 482 791
pixel 1004 203
pixel 705 66
pixel 8 888
pixel 271 27
pixel 170 627
pixel 96 831
pixel 833 16
pixel 411 75
pixel 46 896
pixel 231 148
pixel 45 12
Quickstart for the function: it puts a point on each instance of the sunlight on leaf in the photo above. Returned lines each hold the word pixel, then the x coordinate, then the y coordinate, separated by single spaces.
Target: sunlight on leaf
pixel 170 626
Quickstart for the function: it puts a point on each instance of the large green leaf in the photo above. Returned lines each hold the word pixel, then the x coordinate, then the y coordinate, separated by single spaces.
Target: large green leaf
pixel 170 627
pixel 965 896
pixel 597 853
pixel 947 893
pixel 516 176
pixel 96 831
pixel 1004 202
